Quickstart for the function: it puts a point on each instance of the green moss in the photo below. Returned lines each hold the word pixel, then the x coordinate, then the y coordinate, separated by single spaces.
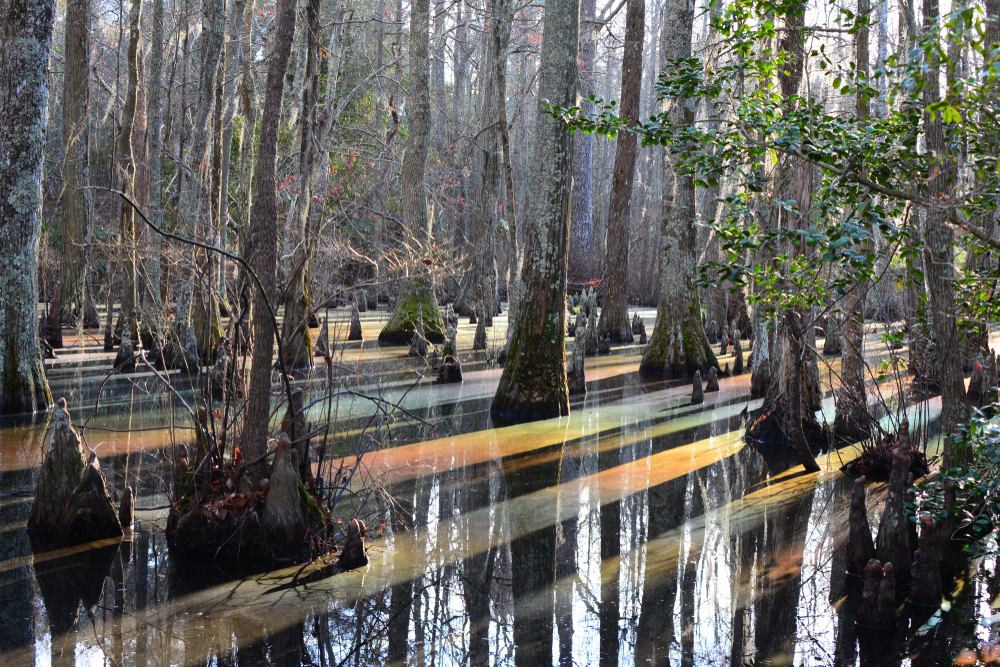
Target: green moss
pixel 418 299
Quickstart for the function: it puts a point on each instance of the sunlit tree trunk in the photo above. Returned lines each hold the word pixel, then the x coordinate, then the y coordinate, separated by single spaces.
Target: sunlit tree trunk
pixel 614 314
pixel 678 345
pixel 24 61
pixel 264 228
pixel 74 296
pixel 533 384
pixel 581 229
pixel 417 297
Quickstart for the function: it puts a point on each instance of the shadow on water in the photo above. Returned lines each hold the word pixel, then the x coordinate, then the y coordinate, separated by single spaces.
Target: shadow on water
pixel 639 531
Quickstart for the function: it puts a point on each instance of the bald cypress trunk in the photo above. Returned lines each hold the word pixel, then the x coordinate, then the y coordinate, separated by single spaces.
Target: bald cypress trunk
pixel 939 267
pixel 74 298
pixel 264 228
pixel 533 384
pixel 26 27
pixel 417 294
pixel 129 157
pixel 295 329
pixel 151 297
pixel 195 210
pixel 614 314
pixel 678 345
pixel 581 228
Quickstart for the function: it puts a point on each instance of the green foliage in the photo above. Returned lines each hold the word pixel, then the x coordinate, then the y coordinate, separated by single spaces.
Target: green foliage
pixel 871 171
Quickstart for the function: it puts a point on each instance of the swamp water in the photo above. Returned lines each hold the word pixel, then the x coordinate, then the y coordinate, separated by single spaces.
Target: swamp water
pixel 640 530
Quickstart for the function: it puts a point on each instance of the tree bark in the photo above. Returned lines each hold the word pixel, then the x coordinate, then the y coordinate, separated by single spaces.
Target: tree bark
pixel 581 227
pixel 533 384
pixel 24 62
pixel 852 420
pixel 155 206
pixel 264 228
pixel 939 266
pixel 74 298
pixel 194 207
pixel 295 329
pixel 418 292
pixel 678 345
pixel 129 158
pixel 614 314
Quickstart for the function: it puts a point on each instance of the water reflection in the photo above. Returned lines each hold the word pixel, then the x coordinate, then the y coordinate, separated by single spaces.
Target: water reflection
pixel 640 531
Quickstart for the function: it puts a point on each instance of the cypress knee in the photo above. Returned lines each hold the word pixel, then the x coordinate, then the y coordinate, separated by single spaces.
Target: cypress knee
pixel 860 547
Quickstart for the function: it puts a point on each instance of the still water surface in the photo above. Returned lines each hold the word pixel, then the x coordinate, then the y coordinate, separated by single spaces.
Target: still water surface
pixel 640 530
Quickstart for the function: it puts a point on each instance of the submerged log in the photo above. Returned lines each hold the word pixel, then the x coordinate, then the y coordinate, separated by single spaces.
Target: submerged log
pixel 926 570
pixel 860 546
pixel 284 517
pixel 575 374
pixel 713 380
pixel 697 393
pixel 893 543
pixel 61 472
pixel 90 514
pixel 353 556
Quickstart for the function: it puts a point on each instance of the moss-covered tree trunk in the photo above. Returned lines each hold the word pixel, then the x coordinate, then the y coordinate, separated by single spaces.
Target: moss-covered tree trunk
pixel 417 292
pixel 26 35
pixel 74 298
pixel 264 228
pixel 678 345
pixel 533 384
pixel 614 314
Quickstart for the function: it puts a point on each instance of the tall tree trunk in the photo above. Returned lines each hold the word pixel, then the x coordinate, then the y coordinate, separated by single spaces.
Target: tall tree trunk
pixel 581 229
pixel 264 228
pixel 939 267
pixel 74 298
pixel 417 297
pixel 151 297
pixel 479 293
pixel 614 314
pixel 24 61
pixel 533 384
pixel 852 420
pixel 129 159
pixel 295 329
pixel 678 345
pixel 194 205
pixel 244 192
